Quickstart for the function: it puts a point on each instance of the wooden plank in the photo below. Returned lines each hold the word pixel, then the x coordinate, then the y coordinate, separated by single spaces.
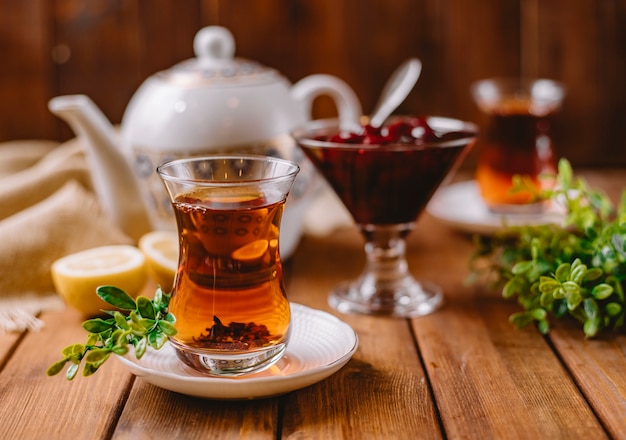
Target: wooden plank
pixel 611 92
pixel 595 364
pixel 114 46
pixel 610 181
pixel 82 408
pixel 383 388
pixel 445 266
pixel 493 381
pixel 26 73
pixel 598 368
pixel 476 43
pixel 100 40
pixel 321 262
pixel 155 413
pixel 489 379
pixel 589 61
pixel 165 33
pixel 8 342
pixel 572 58
pixel 106 49
pixel 268 38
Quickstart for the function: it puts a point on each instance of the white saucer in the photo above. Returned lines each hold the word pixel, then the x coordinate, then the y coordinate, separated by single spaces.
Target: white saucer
pixel 460 206
pixel 320 344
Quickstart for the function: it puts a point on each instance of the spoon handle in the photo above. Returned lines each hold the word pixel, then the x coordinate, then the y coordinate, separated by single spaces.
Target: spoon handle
pixel 396 90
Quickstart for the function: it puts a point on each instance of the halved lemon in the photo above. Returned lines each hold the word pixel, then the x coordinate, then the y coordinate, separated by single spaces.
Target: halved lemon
pixel 161 251
pixel 76 276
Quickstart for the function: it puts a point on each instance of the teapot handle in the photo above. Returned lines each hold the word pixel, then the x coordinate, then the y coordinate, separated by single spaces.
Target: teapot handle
pixel 348 105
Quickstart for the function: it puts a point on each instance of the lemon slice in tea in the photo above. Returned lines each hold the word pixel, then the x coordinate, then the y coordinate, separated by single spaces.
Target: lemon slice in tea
pixel 251 252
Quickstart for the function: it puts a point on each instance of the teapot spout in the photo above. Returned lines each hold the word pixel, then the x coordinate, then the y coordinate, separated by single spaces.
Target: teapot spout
pixel 113 179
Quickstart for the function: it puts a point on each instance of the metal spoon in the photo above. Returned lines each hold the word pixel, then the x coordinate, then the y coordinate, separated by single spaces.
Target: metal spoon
pixel 397 88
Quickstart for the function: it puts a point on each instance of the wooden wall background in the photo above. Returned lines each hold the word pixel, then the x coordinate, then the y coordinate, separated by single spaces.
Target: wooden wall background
pixel 106 48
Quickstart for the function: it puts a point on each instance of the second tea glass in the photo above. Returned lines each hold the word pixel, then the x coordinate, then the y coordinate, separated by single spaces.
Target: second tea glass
pixel 229 299
pixel 516 140
pixel 385 188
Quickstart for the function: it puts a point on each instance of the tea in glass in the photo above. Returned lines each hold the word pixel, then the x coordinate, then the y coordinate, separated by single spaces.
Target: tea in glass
pixel 516 140
pixel 229 298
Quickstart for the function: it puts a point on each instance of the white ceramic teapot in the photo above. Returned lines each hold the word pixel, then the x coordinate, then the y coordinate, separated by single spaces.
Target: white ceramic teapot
pixel 208 104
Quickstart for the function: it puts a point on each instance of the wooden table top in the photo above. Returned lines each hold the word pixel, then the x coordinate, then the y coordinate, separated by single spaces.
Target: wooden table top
pixel 462 372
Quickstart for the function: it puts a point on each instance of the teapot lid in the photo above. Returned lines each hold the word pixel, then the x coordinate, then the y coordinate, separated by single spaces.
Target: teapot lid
pixel 215 64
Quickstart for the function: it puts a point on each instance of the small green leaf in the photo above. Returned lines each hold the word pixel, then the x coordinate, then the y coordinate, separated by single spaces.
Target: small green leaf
pixel 119 337
pixel 167 328
pixel 559 293
pixel 593 274
pixel 590 327
pixel 97 355
pixel 548 284
pixel 522 267
pixel 120 349
pixel 71 371
pixel 90 368
pixel 105 335
pixel 56 368
pixel 158 298
pixel 539 314
pixel 591 308
pixel 547 298
pixel 74 351
pixel 147 324
pixel 146 308
pixel 562 272
pixel 535 248
pixel 116 297
pixel 93 338
pixel 573 300
pixel 602 291
pixel 134 317
pixel 97 325
pixel 613 309
pixel 565 173
pixel 578 274
pixel 510 289
pixel 570 287
pixel 521 319
pixel 140 347
pixel 619 243
pixel 543 326
pixel 120 320
pixel 157 340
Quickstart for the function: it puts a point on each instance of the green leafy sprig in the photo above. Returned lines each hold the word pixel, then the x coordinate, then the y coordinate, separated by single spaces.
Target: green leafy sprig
pixel 147 323
pixel 576 269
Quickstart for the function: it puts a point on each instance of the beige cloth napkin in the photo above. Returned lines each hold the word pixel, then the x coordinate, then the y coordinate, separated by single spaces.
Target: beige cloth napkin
pixel 47 210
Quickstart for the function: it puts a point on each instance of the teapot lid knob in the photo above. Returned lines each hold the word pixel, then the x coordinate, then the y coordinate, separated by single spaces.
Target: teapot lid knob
pixel 214 42
pixel 215 63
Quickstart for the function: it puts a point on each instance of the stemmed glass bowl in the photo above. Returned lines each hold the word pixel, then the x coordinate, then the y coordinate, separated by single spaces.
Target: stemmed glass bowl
pixel 385 186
